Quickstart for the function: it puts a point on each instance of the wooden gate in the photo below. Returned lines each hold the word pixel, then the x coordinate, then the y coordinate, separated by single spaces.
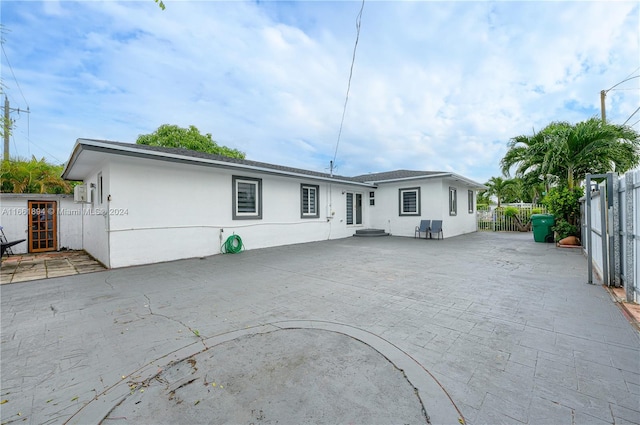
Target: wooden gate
pixel 43 229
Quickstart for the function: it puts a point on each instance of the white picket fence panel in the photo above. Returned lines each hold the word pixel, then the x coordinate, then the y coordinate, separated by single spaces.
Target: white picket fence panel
pixel 495 220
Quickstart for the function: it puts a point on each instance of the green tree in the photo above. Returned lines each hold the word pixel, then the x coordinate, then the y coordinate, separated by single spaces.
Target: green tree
pixel 483 199
pixel 33 176
pixel 530 188
pixel 501 188
pixel 571 151
pixel 172 136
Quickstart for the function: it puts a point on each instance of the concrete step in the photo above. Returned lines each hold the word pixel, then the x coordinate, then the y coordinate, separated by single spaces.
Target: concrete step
pixel 370 233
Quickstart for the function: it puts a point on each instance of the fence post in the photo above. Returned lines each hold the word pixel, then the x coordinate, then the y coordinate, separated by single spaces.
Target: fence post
pixel 614 220
pixel 604 237
pixel 589 237
pixel 629 269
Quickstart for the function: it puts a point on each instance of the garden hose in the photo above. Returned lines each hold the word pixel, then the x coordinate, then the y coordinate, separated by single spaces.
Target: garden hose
pixel 232 245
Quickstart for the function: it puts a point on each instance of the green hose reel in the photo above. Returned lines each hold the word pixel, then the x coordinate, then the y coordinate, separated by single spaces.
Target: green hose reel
pixel 232 245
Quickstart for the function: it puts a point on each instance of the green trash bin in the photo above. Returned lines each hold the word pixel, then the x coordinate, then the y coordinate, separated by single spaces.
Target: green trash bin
pixel 542 224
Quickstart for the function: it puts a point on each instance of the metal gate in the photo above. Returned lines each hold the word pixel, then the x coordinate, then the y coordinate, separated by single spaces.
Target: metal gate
pixel 611 230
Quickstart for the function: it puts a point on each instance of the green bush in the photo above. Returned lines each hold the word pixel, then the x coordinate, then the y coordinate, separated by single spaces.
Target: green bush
pixel 511 211
pixel 564 204
pixel 563 228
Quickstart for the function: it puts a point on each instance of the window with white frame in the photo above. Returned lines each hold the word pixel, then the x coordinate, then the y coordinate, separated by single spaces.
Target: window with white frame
pixel 453 201
pixel 409 200
pixel 247 198
pixel 309 201
pixel 470 200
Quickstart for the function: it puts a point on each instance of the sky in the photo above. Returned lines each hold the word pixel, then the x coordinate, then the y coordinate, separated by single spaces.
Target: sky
pixel 435 85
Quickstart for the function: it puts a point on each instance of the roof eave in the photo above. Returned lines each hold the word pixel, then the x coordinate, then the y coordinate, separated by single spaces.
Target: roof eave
pixel 96 145
pixel 455 176
pixel 77 149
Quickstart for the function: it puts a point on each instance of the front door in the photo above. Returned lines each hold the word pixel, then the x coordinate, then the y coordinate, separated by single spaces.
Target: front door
pixel 354 208
pixel 43 226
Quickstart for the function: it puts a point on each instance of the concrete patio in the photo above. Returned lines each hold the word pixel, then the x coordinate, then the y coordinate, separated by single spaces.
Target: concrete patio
pixel 27 267
pixel 485 328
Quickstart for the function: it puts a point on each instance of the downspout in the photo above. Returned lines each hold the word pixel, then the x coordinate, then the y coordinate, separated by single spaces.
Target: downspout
pixel 107 229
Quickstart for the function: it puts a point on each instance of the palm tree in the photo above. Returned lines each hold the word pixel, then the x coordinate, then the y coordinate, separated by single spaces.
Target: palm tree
pixel 571 151
pixel 34 176
pixel 532 188
pixel 500 188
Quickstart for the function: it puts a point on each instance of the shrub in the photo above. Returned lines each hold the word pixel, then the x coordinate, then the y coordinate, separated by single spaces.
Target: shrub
pixel 564 204
pixel 563 228
pixel 511 211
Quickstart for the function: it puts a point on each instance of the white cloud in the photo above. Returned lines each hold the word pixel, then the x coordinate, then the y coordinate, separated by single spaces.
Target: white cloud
pixel 436 85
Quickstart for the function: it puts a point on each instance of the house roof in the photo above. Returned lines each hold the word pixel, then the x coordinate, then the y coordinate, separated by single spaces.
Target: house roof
pixel 84 158
pixel 395 175
pixel 88 154
pixel 407 175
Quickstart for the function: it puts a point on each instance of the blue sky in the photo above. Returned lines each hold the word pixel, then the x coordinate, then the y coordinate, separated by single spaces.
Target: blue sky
pixel 438 86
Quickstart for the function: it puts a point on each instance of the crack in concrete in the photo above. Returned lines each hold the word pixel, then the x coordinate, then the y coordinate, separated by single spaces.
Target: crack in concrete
pixel 193 331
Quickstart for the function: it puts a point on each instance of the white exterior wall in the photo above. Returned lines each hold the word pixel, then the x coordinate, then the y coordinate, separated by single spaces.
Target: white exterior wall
pixel 162 211
pixel 434 205
pixel 14 217
pixel 386 212
pixel 69 224
pixel 94 222
pixel 463 222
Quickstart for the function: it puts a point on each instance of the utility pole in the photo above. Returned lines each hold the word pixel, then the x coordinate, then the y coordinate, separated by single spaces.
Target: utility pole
pixel 6 129
pixel 603 95
pixel 6 125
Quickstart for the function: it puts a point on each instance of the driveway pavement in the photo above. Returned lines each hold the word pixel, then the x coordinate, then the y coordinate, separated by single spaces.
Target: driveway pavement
pixel 485 328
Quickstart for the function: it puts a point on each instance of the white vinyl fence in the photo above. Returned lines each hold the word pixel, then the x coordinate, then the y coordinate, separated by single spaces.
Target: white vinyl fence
pixel 496 220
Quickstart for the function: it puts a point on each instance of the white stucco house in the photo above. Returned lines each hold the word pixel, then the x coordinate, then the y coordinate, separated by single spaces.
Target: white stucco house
pixel 149 204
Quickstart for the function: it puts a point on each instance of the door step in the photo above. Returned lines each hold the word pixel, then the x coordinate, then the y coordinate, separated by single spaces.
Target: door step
pixel 370 233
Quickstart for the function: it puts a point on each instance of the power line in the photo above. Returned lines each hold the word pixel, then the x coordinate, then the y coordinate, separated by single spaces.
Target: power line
pixel 635 112
pixel 346 99
pixel 14 75
pixel 603 94
pixel 636 70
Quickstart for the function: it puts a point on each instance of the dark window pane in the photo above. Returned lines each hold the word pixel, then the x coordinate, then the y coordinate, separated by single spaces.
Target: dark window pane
pixel 309 200
pixel 305 200
pixel 410 202
pixel 312 201
pixel 247 198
